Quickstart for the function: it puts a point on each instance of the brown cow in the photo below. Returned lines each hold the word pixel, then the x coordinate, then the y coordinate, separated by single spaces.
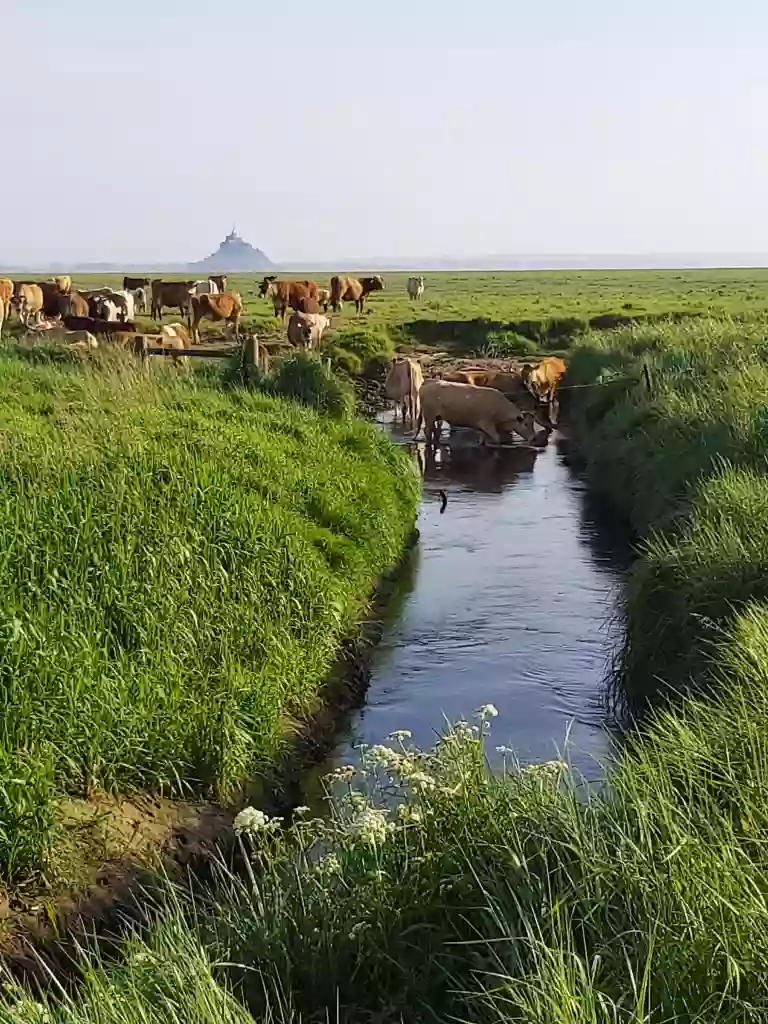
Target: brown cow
pixel 350 289
pixel 171 293
pixel 227 307
pixel 51 295
pixel 542 379
pixel 220 280
pixel 286 294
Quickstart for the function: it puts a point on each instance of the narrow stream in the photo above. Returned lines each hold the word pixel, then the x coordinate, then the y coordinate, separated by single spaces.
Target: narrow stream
pixel 511 600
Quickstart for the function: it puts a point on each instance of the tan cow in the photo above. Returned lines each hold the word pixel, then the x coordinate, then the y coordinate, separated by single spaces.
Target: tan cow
pixel 6 294
pixel 227 307
pixel 63 285
pixel 350 289
pixel 403 385
pixel 465 405
pixel 75 305
pixel 324 298
pixel 306 329
pixel 470 375
pixel 542 379
pixel 220 280
pixel 28 300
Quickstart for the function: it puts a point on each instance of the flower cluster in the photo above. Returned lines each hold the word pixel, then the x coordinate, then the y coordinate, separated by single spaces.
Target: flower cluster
pixel 546 769
pixel 252 820
pixel 370 826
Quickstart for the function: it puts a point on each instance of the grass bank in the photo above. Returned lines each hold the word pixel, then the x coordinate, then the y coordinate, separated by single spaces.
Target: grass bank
pixel 685 463
pixel 179 567
pixel 440 893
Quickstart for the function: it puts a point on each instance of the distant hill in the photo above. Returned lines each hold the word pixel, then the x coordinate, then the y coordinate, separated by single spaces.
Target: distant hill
pixel 233 255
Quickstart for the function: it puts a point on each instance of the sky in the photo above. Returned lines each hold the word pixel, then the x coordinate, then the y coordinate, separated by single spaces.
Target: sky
pixel 391 128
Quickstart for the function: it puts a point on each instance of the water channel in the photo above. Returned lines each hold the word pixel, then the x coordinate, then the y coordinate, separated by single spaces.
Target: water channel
pixel 512 599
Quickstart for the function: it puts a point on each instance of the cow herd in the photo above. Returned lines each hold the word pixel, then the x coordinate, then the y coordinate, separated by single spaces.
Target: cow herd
pixel 495 403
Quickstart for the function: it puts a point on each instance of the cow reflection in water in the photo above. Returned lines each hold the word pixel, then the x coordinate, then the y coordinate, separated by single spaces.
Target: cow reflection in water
pixel 483 469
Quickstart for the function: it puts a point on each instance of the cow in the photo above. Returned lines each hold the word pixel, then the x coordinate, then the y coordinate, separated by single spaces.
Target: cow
pixel 466 405
pixel 54 331
pixel 6 294
pixel 73 304
pixel 306 329
pixel 220 280
pixel 286 294
pixel 98 327
pixel 207 287
pixel 139 299
pixel 403 384
pixel 174 336
pixel 63 284
pixel 324 298
pixel 130 284
pixel 512 386
pixel 28 300
pixel 52 297
pixel 171 293
pixel 415 287
pixel 350 289
pixel 106 298
pixel 227 307
pixel 542 378
pixel 470 375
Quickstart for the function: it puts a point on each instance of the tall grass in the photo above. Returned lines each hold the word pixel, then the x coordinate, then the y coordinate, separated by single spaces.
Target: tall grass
pixel 179 566
pixel 442 892
pixel 685 462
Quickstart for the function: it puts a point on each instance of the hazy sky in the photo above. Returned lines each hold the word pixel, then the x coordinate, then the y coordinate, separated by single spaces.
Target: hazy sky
pixel 141 131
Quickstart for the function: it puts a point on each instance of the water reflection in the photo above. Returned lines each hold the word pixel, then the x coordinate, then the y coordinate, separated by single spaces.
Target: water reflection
pixel 515 602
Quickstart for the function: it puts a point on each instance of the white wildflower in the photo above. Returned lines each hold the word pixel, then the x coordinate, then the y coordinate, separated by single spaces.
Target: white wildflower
pixel 400 734
pixel 421 782
pixel 505 751
pixel 358 929
pixel 344 773
pixel 385 756
pixel 299 812
pixel 406 814
pixel 546 769
pixel 250 819
pixel 371 826
pixel 329 865
pixel 487 711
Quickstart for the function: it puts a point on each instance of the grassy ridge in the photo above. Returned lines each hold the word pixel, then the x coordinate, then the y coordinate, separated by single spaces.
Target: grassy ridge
pixel 686 464
pixel 178 567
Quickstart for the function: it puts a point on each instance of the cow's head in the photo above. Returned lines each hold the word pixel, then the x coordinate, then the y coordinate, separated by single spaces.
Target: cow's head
pixel 376 283
pixel 266 284
pixel 521 423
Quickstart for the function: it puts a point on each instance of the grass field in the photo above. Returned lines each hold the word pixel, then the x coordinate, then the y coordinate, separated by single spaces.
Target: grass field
pixel 488 313
pixel 474 897
pixel 180 565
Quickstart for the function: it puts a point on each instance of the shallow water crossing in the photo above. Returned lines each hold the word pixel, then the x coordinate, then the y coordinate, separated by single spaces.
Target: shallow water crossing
pixel 512 599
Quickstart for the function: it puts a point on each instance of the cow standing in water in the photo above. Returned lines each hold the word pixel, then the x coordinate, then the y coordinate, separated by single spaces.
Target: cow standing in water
pixel 403 384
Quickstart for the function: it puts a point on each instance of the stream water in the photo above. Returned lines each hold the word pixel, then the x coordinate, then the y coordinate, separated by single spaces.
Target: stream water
pixel 511 598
